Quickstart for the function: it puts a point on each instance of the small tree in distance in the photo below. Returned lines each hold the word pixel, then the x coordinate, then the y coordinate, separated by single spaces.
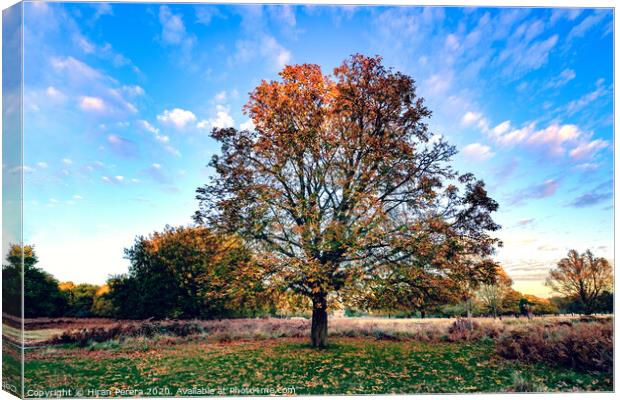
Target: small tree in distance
pixel 583 276
pixel 340 180
pixel 492 294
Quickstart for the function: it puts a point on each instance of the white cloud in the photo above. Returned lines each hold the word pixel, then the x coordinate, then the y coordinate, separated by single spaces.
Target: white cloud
pixel 106 97
pixel 95 104
pixel 146 125
pixel 477 152
pixel 83 43
pixel 439 83
pixel 555 133
pixel 67 161
pixel 266 48
pixel 586 24
pixel 247 125
pixel 562 79
pixel 221 96
pixel 581 103
pixel 133 90
pixel 113 179
pixel 173 29
pixel 283 14
pixel 104 51
pixel 177 117
pixel 587 166
pixel 114 139
pixel 522 55
pixel 101 10
pixel 477 119
pixel 270 47
pixel 205 14
pixel 222 119
pixel 55 94
pixel 470 118
pixel 452 42
pixel 163 139
pixel 155 131
pixel 77 197
pixel 42 165
pixel 75 69
pixel 501 128
pixel 554 136
pixel 588 149
pixel 514 136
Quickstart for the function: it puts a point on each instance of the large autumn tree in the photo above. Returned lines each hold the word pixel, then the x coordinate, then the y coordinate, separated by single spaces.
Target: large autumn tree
pixel 341 179
pixel 581 276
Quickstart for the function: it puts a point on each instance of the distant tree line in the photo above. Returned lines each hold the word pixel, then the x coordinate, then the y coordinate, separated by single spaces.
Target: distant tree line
pixel 193 272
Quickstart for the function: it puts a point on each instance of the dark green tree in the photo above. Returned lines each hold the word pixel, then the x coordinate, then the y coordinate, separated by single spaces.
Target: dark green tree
pixel 186 272
pixel 42 297
pixel 80 298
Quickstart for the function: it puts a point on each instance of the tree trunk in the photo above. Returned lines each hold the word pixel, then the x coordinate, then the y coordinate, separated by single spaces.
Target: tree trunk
pixel 318 333
pixel 469 307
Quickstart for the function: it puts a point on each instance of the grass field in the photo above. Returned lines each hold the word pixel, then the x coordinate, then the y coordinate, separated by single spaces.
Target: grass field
pixel 358 360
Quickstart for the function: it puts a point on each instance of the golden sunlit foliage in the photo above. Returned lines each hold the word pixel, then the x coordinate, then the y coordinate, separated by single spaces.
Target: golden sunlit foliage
pixel 340 182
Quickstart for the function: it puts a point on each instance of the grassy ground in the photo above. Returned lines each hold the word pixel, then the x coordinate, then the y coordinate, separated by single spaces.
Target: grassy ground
pixel 286 365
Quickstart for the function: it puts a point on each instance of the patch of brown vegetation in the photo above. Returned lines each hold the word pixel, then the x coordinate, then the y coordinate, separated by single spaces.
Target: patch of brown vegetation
pixel 583 345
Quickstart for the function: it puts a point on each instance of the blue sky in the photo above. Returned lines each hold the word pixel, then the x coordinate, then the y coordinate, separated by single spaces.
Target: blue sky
pixel 120 100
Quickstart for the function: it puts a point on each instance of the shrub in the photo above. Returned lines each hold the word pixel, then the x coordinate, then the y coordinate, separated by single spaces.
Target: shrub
pixel 464 330
pixel 520 384
pixel 87 336
pixel 381 334
pixel 586 346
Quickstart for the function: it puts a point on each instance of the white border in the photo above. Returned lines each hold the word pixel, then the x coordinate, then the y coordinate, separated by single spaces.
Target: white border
pixel 481 3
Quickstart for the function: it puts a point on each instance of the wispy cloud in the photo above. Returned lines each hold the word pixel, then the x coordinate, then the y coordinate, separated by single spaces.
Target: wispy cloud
pixel 578 105
pixel 174 34
pixel 92 89
pixel 562 79
pixel 591 199
pixel 537 191
pixel 477 152
pixel 601 193
pixel 587 24
pixel 588 149
pixel 122 146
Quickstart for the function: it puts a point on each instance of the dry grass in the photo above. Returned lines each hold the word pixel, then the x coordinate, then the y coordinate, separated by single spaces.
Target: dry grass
pixel 427 330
